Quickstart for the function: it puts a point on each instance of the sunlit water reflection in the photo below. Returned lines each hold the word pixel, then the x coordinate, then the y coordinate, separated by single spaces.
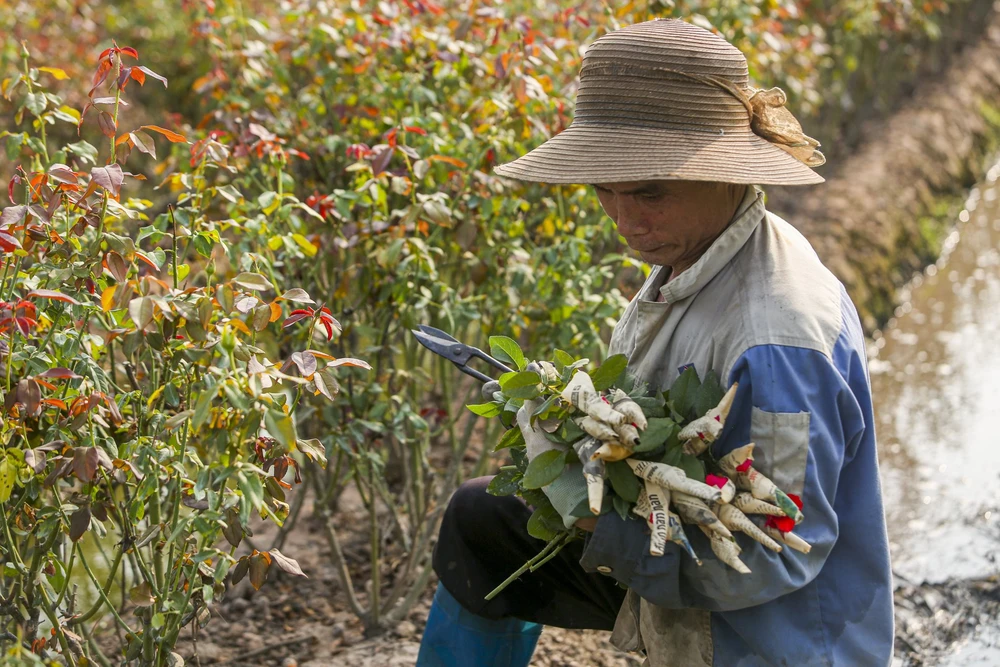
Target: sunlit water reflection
pixel 936 380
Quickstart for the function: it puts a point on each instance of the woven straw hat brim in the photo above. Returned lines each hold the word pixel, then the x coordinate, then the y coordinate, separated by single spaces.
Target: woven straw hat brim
pixel 592 153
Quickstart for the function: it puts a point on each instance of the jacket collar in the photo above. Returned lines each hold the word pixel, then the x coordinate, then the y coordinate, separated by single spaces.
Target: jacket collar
pixel 745 221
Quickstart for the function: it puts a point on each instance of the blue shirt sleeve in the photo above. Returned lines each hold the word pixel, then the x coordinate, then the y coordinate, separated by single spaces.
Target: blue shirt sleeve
pixel 789 398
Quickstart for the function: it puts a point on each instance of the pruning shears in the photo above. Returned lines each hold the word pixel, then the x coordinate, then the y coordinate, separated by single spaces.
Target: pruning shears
pixel 458 353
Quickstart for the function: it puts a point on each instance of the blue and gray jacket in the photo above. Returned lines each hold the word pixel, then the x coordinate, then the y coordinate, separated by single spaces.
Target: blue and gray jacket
pixel 760 309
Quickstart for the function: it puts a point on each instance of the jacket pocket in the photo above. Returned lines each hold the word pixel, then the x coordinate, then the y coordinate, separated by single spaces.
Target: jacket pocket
pixel 782 450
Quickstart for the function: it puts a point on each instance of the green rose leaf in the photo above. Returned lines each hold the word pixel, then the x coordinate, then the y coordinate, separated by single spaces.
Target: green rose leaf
pixel 505 482
pixel 657 432
pixel 521 385
pixel 511 438
pixel 508 351
pixel 545 523
pixel 623 480
pixel 692 467
pixel 544 469
pixel 683 392
pixel 484 409
pixel 609 372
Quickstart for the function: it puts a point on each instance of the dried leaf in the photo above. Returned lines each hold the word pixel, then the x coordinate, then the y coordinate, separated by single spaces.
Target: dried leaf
pixel 287 564
pixel 305 362
pixel 259 564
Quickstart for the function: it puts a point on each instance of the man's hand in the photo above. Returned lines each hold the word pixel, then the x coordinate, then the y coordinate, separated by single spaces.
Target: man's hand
pixel 588 524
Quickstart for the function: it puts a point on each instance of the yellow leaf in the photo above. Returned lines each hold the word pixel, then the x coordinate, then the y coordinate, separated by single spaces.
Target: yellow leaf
pixel 275 311
pixel 59 74
pixel 153 396
pixel 240 325
pixel 70 111
pixel 307 247
pixel 274 242
pixel 108 298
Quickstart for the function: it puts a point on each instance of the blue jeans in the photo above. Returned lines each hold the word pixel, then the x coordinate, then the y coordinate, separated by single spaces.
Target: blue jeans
pixel 455 637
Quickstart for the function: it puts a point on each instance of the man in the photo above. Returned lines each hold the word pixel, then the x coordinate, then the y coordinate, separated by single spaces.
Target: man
pixel 674 141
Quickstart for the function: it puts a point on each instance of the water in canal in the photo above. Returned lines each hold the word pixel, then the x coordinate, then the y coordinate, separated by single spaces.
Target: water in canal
pixel 936 382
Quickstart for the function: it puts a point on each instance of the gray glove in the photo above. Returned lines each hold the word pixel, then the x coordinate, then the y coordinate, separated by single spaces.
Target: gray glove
pixel 570 488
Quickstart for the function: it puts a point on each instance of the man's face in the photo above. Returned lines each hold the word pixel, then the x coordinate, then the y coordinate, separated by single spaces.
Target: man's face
pixel 670 223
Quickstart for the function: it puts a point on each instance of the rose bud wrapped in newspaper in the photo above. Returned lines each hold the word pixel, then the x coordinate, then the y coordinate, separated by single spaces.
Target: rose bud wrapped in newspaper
pixel 780 528
pixel 580 393
pixel 735 520
pixel 746 503
pixel 593 471
pixel 675 479
pixel 664 525
pixel 726 550
pixel 702 432
pixel 621 402
pixel 738 465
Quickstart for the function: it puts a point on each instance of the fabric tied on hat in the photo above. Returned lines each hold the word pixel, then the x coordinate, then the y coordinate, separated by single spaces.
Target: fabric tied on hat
pixel 772 121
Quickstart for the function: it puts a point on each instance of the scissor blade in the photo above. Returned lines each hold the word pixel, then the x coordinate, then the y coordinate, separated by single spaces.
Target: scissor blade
pixel 436 344
pixel 455 352
pixel 437 332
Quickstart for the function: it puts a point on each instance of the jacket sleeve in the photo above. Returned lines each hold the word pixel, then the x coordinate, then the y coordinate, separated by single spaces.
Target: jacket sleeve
pixel 797 405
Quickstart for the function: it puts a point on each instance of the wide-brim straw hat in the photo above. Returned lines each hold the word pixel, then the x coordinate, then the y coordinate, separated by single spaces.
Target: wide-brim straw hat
pixel 668 100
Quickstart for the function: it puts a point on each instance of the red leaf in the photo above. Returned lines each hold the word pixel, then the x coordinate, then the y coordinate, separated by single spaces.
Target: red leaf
pixel 51 294
pixel 14 180
pixel 8 243
pixel 13 215
pixel 79 522
pixel 381 160
pixel 129 51
pixel 59 373
pixel 295 317
pixel 138 75
pixel 110 178
pixel 107 124
pixel 85 461
pixel 795 499
pixel 172 136
pixel 415 130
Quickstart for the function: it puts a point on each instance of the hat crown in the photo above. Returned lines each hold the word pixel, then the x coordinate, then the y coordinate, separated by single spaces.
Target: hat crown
pixel 669 43
pixel 659 74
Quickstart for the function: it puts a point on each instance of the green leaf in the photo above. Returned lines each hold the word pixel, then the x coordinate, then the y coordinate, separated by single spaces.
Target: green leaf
pixel 609 372
pixel 505 482
pixel 692 467
pixel 652 406
pixel 621 506
pixel 582 508
pixel 7 476
pixel 544 469
pixel 623 480
pixel 657 432
pixel 508 351
pixel 251 488
pixel 84 150
pixel 203 406
pixel 545 523
pixel 281 427
pixel 521 385
pixel 35 103
pixel 562 359
pixel 511 438
pixel 708 395
pixel 252 281
pixel 567 433
pixel 683 391
pixel 313 449
pixel 484 409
